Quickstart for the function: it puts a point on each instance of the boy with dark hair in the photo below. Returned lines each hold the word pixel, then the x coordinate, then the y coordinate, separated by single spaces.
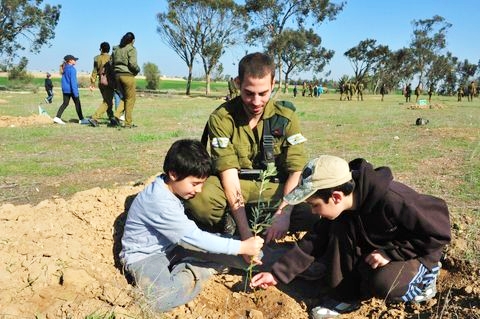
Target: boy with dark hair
pixel 157 227
pixel 377 237
pixel 48 88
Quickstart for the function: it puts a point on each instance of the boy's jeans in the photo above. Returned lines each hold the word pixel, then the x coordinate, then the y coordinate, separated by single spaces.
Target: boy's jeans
pixel 167 289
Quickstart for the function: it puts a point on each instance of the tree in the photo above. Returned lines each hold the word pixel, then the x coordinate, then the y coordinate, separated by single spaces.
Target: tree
pixel 19 71
pixel 24 21
pixel 223 24
pixel 397 68
pixel 429 39
pixel 301 51
pixel 466 71
pixel 152 75
pixel 365 56
pixel 270 17
pixel 180 29
pixel 442 70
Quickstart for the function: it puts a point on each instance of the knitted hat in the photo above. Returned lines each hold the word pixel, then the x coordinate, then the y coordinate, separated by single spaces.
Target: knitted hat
pixel 323 172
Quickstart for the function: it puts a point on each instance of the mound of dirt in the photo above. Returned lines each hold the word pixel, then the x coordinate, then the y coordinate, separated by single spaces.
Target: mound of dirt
pixel 15 121
pixel 58 260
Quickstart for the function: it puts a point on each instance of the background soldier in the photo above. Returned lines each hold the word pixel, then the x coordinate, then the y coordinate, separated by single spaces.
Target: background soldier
pixel 359 91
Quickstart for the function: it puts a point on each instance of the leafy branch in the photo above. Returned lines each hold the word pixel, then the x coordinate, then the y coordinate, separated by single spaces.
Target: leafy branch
pixel 262 216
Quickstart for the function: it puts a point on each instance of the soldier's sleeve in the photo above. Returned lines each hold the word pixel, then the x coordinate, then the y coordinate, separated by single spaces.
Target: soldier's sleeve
pixel 295 144
pixel 221 147
pixel 93 76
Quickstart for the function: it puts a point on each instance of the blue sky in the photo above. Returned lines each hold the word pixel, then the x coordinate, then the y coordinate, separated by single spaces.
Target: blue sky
pixel 85 24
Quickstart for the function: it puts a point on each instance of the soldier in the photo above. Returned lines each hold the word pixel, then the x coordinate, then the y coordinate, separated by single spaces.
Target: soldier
pixel 460 93
pixel 408 92
pixel 359 91
pixel 99 61
pixel 342 90
pixel 232 89
pixel 417 92
pixel 472 91
pixel 351 91
pixel 430 92
pixel 248 134
pixel 383 90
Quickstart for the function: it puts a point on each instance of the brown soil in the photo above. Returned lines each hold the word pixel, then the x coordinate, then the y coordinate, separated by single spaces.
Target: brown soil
pixel 58 260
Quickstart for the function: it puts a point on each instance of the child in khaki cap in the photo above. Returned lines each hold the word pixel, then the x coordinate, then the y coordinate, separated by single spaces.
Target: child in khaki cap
pixel 377 237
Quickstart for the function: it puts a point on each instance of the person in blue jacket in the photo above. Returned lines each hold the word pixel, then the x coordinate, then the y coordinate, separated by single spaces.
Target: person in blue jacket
pixel 70 90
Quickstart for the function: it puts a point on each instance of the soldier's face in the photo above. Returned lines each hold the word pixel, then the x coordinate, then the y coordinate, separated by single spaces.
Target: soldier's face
pixel 255 93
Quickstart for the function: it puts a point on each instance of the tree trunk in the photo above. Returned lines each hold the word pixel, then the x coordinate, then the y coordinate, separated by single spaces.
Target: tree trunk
pixel 208 80
pixel 189 80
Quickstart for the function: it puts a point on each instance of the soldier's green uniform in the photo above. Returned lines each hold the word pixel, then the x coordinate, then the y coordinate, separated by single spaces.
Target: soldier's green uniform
pixel 472 91
pixel 233 144
pixel 460 93
pixel 359 91
pixel 107 91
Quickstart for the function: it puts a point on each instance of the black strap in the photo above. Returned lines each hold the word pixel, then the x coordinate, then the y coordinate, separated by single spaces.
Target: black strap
pixel 268 154
pixel 204 138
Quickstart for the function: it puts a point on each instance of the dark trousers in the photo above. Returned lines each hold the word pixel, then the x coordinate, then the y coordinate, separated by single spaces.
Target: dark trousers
pixel 49 95
pixel 341 247
pixel 66 100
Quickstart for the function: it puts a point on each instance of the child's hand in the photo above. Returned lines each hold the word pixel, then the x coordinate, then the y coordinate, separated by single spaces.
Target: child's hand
pixel 279 227
pixel 263 280
pixel 377 258
pixel 251 246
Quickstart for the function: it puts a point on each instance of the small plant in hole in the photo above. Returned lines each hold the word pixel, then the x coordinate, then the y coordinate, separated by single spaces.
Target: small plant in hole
pixel 262 213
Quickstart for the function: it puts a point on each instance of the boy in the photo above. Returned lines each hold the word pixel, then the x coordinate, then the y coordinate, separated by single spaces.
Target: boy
pixel 156 225
pixel 377 238
pixel 48 88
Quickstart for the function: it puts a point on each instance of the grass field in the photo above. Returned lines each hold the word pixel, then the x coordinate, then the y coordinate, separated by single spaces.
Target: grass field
pixel 165 85
pixel 440 158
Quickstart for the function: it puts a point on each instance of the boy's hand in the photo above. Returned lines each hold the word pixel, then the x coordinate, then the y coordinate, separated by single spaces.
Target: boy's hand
pixel 377 258
pixel 279 227
pixel 251 246
pixel 263 280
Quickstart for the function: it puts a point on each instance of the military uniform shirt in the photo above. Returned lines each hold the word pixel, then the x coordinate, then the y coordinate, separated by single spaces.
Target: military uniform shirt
pixel 235 145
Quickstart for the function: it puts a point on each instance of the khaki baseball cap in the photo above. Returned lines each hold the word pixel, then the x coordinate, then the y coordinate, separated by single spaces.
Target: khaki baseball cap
pixel 323 172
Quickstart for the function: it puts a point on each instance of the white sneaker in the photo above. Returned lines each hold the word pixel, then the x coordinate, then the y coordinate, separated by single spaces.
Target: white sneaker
pixel 331 308
pixel 122 118
pixel 58 120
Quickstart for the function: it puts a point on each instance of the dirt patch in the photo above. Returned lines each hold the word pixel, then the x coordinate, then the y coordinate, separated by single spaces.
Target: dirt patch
pixel 58 259
pixel 15 121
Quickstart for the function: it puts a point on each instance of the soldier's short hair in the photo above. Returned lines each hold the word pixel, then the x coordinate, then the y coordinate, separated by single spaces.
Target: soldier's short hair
pixel 257 65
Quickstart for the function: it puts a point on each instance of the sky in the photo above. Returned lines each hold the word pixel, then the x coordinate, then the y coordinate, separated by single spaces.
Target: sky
pixel 83 25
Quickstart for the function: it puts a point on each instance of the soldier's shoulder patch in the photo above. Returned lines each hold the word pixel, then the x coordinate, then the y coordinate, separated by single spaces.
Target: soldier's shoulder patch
pixel 286 104
pixel 296 139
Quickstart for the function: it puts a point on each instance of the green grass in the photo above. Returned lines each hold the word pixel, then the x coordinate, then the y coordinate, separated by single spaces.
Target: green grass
pixel 441 158
pixel 165 85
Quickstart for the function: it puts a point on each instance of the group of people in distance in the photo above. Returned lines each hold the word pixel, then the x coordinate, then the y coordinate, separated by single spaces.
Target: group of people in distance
pixel 367 235
pixel 121 67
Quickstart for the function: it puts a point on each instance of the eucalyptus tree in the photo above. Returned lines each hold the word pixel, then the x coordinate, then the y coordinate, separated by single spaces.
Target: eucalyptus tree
pixel 301 50
pixel 179 28
pixel 428 41
pixel 270 19
pixel 224 22
pixel 442 71
pixel 466 71
pixel 365 57
pixel 26 22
